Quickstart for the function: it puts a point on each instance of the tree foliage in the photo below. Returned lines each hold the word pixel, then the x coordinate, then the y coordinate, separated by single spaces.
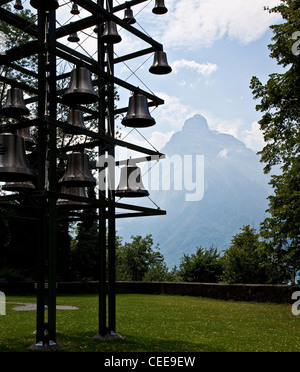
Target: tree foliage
pixel 280 123
pixel 138 261
pixel 203 266
pixel 246 260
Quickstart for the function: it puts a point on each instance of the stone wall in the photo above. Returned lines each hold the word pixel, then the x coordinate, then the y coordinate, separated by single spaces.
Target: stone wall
pixel 236 292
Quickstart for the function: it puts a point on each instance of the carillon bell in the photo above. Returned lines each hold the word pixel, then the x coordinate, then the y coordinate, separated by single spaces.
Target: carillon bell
pixel 13 163
pixel 72 191
pixel 110 34
pixel 18 5
pixel 75 118
pixel 73 38
pixel 81 88
pixel 160 65
pixel 138 115
pixel 14 106
pixel 160 7
pixel 128 17
pixel 78 172
pixel 44 4
pixel 75 9
pixel 131 185
pixel 18 186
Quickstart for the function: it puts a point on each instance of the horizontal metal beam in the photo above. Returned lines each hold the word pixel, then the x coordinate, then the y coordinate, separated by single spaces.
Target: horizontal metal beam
pixel 18 22
pixel 3 2
pixel 16 197
pixel 102 138
pixel 20 125
pixel 78 26
pixel 23 70
pixel 97 203
pixel 127 4
pixel 141 214
pixel 140 160
pixel 133 55
pixel 79 216
pixel 22 51
pixel 16 84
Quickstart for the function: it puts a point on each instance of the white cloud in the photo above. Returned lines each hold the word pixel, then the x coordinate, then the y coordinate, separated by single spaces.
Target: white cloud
pixel 223 153
pixel 253 138
pixel 232 126
pixel 204 69
pixel 191 24
pixel 159 139
pixel 173 114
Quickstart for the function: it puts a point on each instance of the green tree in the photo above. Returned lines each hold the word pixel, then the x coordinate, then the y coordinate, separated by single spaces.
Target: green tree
pixel 280 124
pixel 246 261
pixel 203 266
pixel 138 261
pixel 282 229
pixel 11 37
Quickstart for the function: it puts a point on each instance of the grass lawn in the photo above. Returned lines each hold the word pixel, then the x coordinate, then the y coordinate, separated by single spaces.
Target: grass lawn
pixel 159 323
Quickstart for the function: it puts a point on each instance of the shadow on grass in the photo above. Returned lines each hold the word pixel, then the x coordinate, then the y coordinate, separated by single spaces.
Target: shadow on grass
pixel 85 342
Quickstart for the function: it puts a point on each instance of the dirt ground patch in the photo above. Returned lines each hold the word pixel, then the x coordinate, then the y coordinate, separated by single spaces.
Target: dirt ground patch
pixel 23 306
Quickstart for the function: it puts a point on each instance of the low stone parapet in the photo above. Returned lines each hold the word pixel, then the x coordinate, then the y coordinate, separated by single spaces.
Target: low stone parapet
pixel 236 292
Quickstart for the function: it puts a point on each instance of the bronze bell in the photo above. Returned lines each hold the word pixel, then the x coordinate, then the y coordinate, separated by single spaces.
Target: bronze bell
pixel 81 88
pixel 14 106
pixel 13 163
pixel 75 191
pixel 138 115
pixel 73 38
pixel 160 65
pixel 75 9
pixel 18 5
pixel 78 171
pixel 160 7
pixel 75 118
pixel 110 34
pixel 18 186
pixel 44 4
pixel 128 17
pixel 131 185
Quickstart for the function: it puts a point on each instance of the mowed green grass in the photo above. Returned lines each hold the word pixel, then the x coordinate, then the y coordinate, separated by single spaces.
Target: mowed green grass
pixel 160 323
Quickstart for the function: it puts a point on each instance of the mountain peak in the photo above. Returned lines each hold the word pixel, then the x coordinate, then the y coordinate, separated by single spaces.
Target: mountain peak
pixel 196 123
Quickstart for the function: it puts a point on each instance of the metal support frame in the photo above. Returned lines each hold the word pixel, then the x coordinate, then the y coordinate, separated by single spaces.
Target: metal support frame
pixel 46 215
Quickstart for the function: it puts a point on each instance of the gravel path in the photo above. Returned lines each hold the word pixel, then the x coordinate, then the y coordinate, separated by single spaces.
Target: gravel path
pixel 23 306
